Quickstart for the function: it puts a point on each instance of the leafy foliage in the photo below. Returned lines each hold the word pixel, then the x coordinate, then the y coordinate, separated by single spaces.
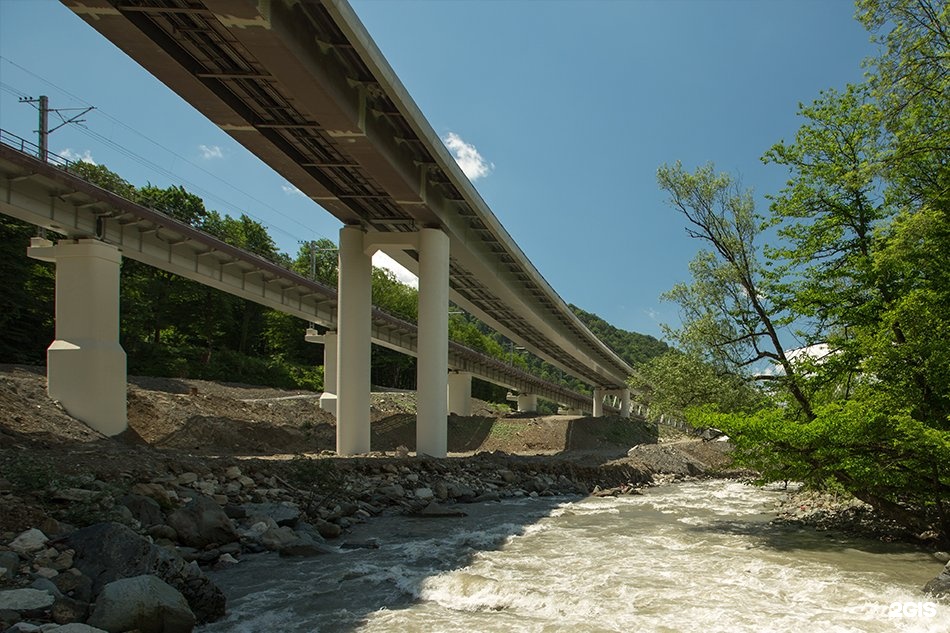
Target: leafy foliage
pixel 858 266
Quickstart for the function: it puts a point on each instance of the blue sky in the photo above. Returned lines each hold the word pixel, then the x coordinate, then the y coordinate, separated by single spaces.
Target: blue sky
pixel 562 110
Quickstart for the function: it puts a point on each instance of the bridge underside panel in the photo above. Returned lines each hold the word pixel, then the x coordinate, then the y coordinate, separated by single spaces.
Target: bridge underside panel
pixel 303 86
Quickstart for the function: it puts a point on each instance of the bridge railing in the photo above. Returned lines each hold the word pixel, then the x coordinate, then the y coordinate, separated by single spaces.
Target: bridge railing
pixel 31 148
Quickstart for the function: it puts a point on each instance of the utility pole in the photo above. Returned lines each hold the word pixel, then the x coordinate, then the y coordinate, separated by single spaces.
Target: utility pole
pixel 42 105
pixel 44 128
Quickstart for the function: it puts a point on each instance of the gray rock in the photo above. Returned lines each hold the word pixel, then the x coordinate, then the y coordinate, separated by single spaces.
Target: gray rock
pixel 392 491
pixel 282 513
pixel 75 585
pixel 508 476
pixel 144 509
pixel 108 551
pixel 78 627
pixel 145 603
pixel 940 586
pixel 202 522
pixel 278 537
pixel 424 493
pixel 75 495
pixel 166 532
pixel 460 491
pixel 66 610
pixel 25 600
pixel 328 530
pixel 47 585
pixel 304 548
pixel 309 531
pixel 30 541
pixel 9 564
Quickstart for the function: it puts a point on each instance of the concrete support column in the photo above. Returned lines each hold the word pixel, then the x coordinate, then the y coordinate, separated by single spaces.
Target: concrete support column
pixel 433 344
pixel 527 403
pixel 354 333
pixel 625 403
pixel 598 402
pixel 460 392
pixel 85 365
pixel 328 397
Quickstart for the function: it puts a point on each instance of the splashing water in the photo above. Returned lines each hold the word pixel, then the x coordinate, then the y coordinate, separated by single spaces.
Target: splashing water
pixel 697 556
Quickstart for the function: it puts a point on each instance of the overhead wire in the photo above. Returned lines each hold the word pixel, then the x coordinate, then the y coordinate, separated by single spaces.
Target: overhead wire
pixel 167 173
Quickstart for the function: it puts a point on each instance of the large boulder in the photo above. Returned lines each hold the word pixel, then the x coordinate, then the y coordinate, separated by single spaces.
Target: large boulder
pixel 106 552
pixel 144 603
pixel 202 522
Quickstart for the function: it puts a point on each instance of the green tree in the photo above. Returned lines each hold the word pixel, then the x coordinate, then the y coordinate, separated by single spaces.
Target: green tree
pixel 861 227
pixel 731 317
pixel 676 382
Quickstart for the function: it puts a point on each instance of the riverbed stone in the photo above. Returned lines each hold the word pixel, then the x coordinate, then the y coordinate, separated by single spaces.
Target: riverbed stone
pixel 26 599
pixel 940 586
pixel 77 627
pixel 106 552
pixel 66 610
pixel 144 509
pixel 201 522
pixel 75 584
pixel 31 540
pixel 327 529
pixel 145 603
pixel 278 537
pixel 9 564
pixel 282 513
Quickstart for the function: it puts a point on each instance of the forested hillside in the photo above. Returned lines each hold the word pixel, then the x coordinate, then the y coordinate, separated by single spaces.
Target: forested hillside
pixel 633 347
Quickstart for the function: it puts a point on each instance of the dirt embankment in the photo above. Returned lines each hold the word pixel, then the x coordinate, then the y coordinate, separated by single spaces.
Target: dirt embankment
pixel 178 425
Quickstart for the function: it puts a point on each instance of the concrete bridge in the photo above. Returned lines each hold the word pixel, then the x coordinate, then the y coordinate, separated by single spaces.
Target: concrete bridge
pixel 303 86
pixel 87 365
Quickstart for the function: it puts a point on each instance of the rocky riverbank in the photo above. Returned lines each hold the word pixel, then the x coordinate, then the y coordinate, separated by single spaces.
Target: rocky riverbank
pixel 140 560
pixel 115 534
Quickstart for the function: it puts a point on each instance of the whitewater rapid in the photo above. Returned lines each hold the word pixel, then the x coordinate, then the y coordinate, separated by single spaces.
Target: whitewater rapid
pixel 695 556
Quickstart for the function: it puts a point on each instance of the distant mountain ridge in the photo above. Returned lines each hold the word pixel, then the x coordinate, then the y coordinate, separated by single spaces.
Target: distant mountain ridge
pixel 633 347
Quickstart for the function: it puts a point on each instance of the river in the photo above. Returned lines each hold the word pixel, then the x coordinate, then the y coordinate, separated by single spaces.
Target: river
pixel 695 556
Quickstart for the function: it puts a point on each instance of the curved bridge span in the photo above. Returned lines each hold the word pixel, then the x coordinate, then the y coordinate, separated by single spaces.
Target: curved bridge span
pixel 302 85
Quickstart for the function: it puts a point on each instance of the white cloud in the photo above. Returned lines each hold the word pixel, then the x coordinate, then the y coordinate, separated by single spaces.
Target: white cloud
pixel 467 157
pixel 290 190
pixel 76 157
pixel 209 152
pixel 382 260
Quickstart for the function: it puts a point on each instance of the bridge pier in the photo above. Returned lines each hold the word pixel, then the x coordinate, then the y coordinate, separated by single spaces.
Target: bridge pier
pixel 598 404
pixel 354 337
pixel 329 340
pixel 527 403
pixel 354 333
pixel 85 364
pixel 460 392
pixel 433 344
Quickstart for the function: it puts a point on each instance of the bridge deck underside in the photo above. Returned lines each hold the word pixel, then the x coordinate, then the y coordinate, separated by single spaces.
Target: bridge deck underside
pixel 304 88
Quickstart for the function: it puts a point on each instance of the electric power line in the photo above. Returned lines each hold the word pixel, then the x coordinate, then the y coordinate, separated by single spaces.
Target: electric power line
pixel 148 164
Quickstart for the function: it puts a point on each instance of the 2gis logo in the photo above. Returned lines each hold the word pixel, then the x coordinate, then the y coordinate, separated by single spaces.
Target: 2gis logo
pixel 911 610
